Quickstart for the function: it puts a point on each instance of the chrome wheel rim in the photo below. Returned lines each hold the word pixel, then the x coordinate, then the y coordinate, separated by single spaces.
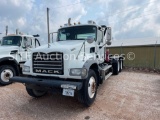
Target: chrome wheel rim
pixel 118 66
pixel 92 87
pixel 121 64
pixel 6 75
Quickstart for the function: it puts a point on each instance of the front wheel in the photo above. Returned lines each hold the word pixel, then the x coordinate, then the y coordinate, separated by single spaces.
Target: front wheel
pixel 6 72
pixel 35 93
pixel 88 93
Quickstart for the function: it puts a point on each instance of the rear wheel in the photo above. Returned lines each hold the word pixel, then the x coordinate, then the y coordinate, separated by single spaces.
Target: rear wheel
pixel 88 93
pixel 35 93
pixel 116 67
pixel 6 72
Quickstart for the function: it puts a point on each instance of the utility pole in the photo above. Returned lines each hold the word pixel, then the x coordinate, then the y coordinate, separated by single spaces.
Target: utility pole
pixel 48 27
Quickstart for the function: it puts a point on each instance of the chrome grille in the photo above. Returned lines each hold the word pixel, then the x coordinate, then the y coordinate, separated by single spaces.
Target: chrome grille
pixel 50 63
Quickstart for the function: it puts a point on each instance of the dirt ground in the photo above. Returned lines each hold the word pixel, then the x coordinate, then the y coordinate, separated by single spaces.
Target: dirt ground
pixel 130 95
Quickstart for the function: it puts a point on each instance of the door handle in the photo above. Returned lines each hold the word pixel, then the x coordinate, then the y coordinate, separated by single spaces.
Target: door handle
pixel 100 47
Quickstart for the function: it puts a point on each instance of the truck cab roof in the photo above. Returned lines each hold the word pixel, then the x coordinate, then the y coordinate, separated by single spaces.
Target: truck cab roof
pixel 19 35
pixel 78 25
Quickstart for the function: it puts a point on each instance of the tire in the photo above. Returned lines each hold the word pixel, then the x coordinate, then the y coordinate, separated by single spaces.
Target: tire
pixel 6 72
pixel 35 93
pixel 116 67
pixel 85 95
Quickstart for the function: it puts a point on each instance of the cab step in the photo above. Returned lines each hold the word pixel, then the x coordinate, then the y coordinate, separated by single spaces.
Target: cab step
pixel 105 70
pixel 107 67
pixel 108 75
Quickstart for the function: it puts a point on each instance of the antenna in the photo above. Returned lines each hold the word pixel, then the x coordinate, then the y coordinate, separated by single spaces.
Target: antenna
pixel 69 22
pixel 48 26
pixel 6 30
pixel 16 31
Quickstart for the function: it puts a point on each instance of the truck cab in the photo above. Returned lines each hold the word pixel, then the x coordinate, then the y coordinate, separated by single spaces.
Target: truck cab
pixel 74 63
pixel 14 51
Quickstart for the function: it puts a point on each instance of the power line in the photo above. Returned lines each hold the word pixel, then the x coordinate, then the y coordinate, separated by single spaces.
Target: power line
pixel 109 15
pixel 146 15
pixel 136 17
pixel 71 4
pixel 112 14
pixel 126 10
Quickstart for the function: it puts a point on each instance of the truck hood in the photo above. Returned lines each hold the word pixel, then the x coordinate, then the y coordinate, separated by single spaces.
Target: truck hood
pixel 61 46
pixel 5 50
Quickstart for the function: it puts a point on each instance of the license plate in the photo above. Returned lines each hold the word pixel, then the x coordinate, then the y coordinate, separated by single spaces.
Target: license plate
pixel 68 92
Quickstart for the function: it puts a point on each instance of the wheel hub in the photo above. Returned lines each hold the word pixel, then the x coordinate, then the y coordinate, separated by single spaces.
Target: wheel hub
pixel 118 66
pixel 6 75
pixel 91 87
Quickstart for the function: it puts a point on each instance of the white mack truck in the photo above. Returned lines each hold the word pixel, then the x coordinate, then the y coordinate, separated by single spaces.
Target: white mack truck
pixel 75 64
pixel 14 51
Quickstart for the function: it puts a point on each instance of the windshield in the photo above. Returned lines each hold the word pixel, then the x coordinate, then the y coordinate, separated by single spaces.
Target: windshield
pixel 12 40
pixel 77 33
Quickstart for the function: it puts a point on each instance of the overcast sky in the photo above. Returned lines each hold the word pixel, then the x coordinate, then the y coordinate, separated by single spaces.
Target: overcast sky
pixel 128 18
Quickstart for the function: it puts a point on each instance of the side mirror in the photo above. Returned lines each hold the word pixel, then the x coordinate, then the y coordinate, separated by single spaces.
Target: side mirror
pixel 109 42
pixel 109 35
pixel 90 39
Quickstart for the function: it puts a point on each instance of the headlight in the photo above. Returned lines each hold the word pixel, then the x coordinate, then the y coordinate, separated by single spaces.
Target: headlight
pixel 26 69
pixel 78 72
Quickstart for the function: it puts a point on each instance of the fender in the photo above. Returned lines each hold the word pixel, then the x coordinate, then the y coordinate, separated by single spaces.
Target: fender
pixel 88 64
pixel 10 61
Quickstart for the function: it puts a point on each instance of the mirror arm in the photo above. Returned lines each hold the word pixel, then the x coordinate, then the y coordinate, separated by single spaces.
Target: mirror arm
pixel 103 45
pixel 80 50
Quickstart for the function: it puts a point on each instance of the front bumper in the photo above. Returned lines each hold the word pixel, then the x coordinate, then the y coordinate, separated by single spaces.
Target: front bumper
pixel 46 82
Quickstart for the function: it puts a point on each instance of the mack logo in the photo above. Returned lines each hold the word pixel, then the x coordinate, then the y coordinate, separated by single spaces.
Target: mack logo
pixel 47 71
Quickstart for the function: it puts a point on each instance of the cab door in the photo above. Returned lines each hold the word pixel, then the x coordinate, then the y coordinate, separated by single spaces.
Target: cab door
pixel 30 46
pixel 100 47
pixel 26 48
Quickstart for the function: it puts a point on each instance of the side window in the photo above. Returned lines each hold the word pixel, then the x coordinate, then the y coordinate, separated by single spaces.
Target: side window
pixel 63 36
pixel 100 36
pixel 27 42
pixel 24 42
